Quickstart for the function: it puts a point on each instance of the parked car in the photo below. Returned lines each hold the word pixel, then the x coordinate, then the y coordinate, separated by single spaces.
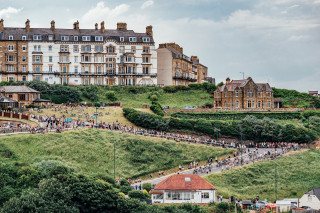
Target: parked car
pixel 306 208
pixel 166 107
pixel 261 204
pixel 189 107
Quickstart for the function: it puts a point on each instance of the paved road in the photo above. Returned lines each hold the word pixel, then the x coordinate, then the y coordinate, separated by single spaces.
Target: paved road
pixel 215 169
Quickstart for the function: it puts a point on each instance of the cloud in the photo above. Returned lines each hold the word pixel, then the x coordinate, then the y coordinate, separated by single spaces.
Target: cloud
pixel 9 11
pixel 101 12
pixel 298 37
pixel 147 4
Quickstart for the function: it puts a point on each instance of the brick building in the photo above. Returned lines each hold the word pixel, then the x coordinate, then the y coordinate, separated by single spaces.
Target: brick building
pixel 22 94
pixel 175 68
pixel 244 94
pixel 78 56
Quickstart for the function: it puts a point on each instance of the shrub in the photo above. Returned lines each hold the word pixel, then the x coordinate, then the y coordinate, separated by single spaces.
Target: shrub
pixel 136 194
pixel 154 98
pixel 156 108
pixel 111 95
pixel 147 186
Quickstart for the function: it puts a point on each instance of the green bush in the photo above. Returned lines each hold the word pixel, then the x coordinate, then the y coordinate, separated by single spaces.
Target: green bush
pixel 154 98
pixel 136 194
pixel 147 186
pixel 156 108
pixel 111 95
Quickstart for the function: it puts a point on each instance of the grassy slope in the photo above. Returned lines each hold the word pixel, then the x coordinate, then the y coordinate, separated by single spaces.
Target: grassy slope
pixel 296 175
pixel 179 99
pixel 91 151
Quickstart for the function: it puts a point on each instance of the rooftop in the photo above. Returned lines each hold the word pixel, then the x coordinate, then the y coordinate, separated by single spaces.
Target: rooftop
pixel 17 89
pixel 184 182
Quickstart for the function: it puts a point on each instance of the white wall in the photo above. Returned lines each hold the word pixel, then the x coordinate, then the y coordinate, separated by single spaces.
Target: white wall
pixel 197 197
pixel 314 203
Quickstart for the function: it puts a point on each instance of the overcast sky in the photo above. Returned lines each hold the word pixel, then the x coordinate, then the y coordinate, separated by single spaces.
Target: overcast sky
pixel 275 41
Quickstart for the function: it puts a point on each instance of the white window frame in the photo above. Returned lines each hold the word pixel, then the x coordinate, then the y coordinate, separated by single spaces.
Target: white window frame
pixel 85 38
pixel 37 37
pixel 132 39
pixel 75 38
pixel 64 38
pixel 24 68
pixel 24 48
pixel 50 68
pixel 50 48
pixel 10 47
pixel 10 37
pixel 122 39
pixel 24 38
pixel 99 38
pixel 237 93
pixel 50 38
pixel 50 59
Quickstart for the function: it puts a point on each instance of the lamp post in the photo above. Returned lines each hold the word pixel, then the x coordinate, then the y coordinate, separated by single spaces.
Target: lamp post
pixel 114 160
pixel 96 116
pixel 275 181
pixel 242 75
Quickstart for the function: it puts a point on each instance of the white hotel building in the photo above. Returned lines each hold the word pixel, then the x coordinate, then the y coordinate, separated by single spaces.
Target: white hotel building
pixel 78 56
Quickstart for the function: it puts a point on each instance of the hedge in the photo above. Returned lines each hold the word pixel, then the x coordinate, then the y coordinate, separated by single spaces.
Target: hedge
pixel 250 127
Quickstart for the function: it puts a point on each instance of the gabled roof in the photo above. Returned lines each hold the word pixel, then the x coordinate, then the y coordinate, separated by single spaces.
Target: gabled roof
pixel 17 89
pixel 241 83
pixel 315 191
pixel 184 182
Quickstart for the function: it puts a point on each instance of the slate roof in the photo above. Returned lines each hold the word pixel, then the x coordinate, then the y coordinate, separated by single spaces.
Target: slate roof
pixel 4 99
pixel 18 89
pixel 178 182
pixel 41 100
pixel 315 191
pixel 17 34
pixel 241 83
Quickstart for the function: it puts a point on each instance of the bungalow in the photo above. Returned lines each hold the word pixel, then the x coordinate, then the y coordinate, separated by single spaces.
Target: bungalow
pixel 183 188
pixel 311 199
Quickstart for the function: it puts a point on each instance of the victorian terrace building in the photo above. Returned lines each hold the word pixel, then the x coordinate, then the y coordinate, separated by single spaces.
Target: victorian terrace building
pixel 244 94
pixel 175 68
pixel 78 56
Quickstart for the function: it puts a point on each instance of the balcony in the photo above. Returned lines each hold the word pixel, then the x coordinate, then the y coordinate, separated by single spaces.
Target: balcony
pixel 37 52
pixel 64 62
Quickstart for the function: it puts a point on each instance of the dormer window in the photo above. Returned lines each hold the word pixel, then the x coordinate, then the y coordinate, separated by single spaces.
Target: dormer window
pixel 146 39
pixel 64 38
pixel 24 38
pixel 10 37
pixel 50 37
pixel 85 38
pixel 122 39
pixel 37 37
pixel 99 38
pixel 237 93
pixel 75 38
pixel 132 39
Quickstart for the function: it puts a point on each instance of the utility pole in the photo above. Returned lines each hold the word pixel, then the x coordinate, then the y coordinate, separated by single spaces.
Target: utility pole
pixel 242 75
pixel 96 117
pixel 114 160
pixel 275 181
pixel 309 140
pixel 241 147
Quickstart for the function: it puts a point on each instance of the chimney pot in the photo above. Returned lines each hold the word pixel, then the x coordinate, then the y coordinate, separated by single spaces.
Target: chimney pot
pixel 102 27
pixel 96 26
pixel 28 26
pixel 2 25
pixel 76 26
pixel 227 81
pixel 53 28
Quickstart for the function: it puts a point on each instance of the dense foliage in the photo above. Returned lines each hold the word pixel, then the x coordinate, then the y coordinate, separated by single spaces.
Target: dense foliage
pixel 293 98
pixel 250 127
pixel 296 175
pixel 156 108
pixel 238 115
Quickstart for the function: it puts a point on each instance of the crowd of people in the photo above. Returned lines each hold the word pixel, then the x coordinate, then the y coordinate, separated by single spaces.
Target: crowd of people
pixel 10 126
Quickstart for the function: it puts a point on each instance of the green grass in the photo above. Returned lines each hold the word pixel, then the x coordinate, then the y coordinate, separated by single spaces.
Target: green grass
pixel 91 151
pixel 296 175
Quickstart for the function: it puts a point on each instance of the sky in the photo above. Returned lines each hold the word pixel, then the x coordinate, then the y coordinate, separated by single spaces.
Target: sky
pixel 273 41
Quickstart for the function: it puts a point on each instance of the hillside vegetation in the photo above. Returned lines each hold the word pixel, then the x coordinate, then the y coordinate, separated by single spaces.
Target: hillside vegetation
pixel 295 99
pixel 296 175
pixel 91 151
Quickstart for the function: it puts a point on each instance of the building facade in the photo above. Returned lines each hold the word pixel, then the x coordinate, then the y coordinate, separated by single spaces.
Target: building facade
pixel 175 68
pixel 22 94
pixel 244 94
pixel 311 199
pixel 183 188
pixel 78 56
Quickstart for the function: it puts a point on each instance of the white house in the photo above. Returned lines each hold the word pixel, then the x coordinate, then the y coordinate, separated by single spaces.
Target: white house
pixel 184 188
pixel 311 199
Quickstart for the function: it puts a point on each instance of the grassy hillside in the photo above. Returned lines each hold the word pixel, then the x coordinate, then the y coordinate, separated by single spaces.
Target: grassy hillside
pixel 91 151
pixel 293 98
pixel 296 175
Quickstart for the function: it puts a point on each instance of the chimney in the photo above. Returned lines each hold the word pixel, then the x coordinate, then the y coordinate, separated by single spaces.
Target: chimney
pixel 195 59
pixel 121 26
pixel 149 30
pixel 28 26
pixel 102 27
pixel 227 81
pixel 53 27
pixel 76 26
pixel 96 26
pixel 1 25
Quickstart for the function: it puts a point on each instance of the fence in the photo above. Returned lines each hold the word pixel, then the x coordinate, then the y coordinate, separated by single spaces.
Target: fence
pixel 14 115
